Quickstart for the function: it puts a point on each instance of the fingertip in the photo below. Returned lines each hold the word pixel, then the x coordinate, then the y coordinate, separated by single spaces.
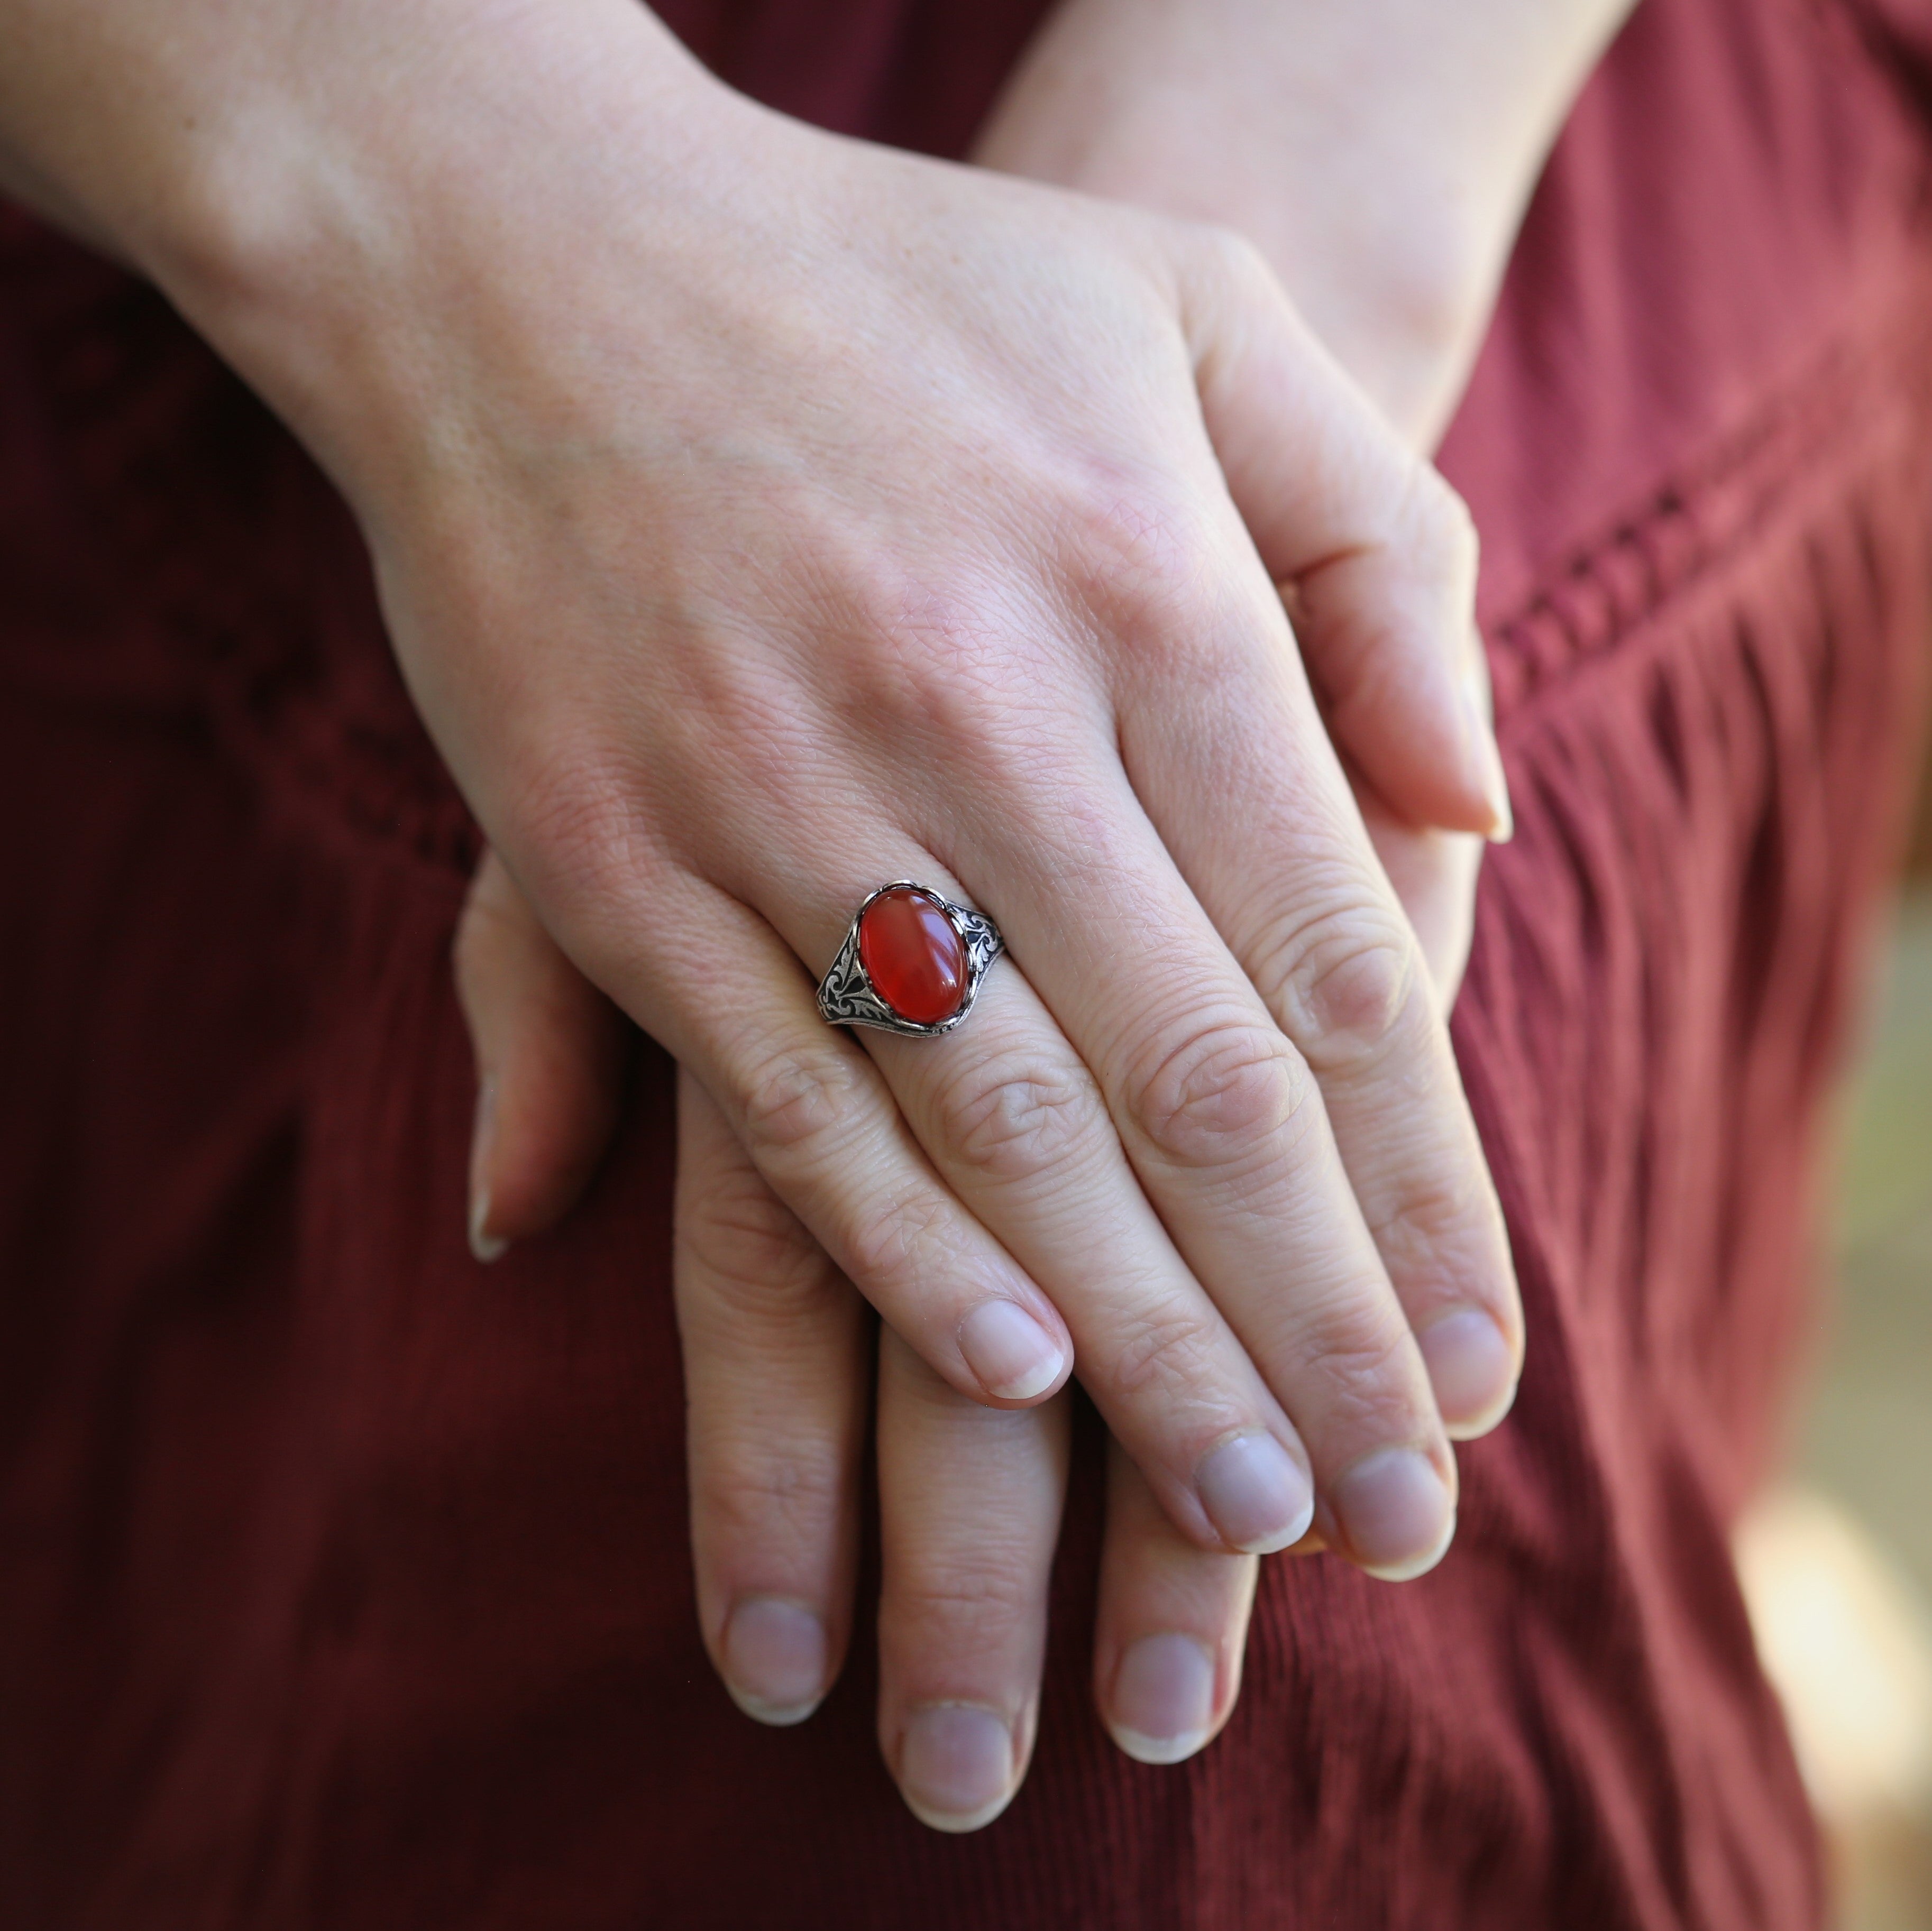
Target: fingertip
pixel 1472 1370
pixel 484 1243
pixel 1010 1352
pixel 958 1767
pixel 1257 1496
pixel 551 1053
pixel 1482 754
pixel 1421 736
pixel 1397 1514
pixel 1162 1710
pixel 775 1655
pixel 1492 784
pixel 546 1117
pixel 1485 1423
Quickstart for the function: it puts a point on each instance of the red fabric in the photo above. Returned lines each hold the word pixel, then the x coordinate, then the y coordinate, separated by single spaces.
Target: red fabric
pixel 345 1583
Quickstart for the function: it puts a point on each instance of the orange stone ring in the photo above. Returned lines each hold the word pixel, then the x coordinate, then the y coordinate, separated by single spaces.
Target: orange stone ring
pixel 912 962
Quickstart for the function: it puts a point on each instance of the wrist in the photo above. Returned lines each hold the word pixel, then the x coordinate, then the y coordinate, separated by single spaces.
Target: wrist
pixel 1379 155
pixel 305 185
pixel 435 169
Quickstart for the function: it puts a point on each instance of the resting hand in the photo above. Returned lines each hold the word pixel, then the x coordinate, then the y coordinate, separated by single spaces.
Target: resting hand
pixel 778 1374
pixel 967 1494
pixel 759 516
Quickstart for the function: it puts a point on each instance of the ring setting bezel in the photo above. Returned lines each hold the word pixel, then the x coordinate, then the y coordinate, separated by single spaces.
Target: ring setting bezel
pixel 848 997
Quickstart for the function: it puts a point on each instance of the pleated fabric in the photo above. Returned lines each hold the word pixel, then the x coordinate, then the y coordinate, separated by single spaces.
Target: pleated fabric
pixel 345 1583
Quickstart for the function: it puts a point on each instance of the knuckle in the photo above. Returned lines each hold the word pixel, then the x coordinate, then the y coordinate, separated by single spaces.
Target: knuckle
pixel 756 1484
pixel 796 1106
pixel 742 713
pixel 756 1259
pixel 965 1592
pixel 1012 1119
pixel 934 683
pixel 484 934
pixel 1442 531
pixel 1235 258
pixel 1166 1355
pixel 1448 1225
pixel 1344 983
pixel 896 1240
pixel 579 820
pixel 1359 1374
pixel 1147 558
pixel 1225 1089
pixel 931 675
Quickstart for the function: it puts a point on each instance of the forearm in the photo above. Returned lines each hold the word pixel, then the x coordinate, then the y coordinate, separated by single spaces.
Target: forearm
pixel 1380 152
pixel 294 178
pixel 170 131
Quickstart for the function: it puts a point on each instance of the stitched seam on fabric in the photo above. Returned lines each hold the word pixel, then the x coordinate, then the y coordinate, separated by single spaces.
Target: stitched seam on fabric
pixel 1694 528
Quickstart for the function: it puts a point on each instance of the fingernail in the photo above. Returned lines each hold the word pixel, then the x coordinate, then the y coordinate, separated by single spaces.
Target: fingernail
pixel 775 1655
pixel 1012 1357
pixel 1479 732
pixel 1163 1698
pixel 1255 1495
pixel 485 1245
pixel 1471 1369
pixel 1396 1513
pixel 955 1765
pixel 1497 792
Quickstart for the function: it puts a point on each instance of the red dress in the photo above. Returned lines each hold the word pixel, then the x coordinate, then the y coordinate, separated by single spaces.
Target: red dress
pixel 345 1584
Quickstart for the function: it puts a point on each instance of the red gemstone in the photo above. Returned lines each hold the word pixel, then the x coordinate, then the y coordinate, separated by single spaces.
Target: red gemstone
pixel 912 955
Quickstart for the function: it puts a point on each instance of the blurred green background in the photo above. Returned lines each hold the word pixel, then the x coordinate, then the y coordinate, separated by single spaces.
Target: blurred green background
pixel 1838 1563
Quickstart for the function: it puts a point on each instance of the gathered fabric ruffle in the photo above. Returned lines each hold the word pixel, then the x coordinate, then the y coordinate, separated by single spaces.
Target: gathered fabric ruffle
pixel 347 1583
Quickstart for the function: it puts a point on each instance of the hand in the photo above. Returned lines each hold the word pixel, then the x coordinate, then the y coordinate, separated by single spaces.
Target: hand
pixel 1052 561
pixel 778 1360
pixel 968 1495
pixel 752 1288
pixel 908 549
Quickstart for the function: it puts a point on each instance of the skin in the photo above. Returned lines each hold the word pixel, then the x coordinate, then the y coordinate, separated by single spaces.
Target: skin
pixel 759 515
pixel 777 1361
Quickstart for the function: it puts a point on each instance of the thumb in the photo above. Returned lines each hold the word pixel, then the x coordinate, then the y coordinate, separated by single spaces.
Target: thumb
pixel 551 1056
pixel 1376 551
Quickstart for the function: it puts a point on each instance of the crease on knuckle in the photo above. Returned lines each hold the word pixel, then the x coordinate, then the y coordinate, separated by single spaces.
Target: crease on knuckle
pixel 1360 1375
pixel 1013 1119
pixel 965 1596
pixel 755 1257
pixel 1228 1088
pixel 1167 1352
pixel 796 1108
pixel 756 1487
pixel 1345 984
pixel 898 1241
pixel 1448 1225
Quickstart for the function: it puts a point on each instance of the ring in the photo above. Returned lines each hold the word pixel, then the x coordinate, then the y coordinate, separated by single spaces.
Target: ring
pixel 912 962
